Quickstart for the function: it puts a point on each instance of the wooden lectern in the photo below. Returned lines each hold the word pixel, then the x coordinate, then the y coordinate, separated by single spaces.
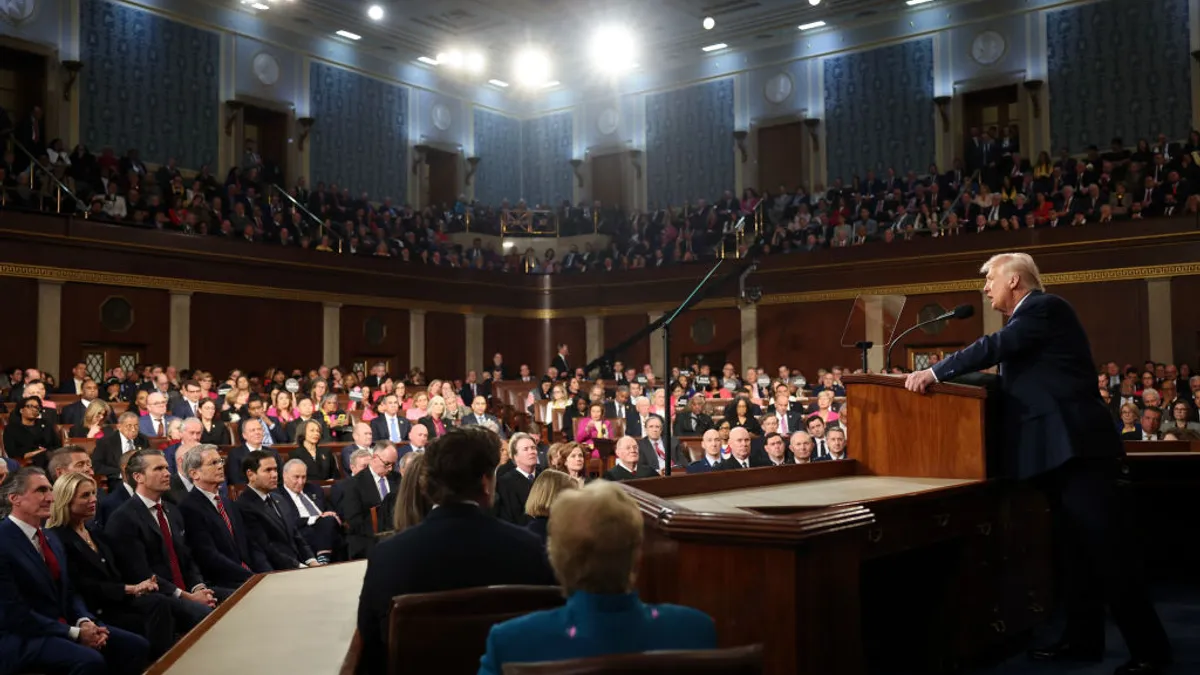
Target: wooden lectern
pixel 896 553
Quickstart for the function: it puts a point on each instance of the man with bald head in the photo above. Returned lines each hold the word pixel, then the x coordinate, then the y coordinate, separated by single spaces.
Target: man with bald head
pixel 628 467
pixel 156 422
pixel 711 442
pixel 362 438
pixel 739 450
pixel 418 438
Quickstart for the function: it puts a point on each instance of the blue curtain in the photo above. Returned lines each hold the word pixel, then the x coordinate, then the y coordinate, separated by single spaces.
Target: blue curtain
pixel 1118 68
pixel 360 138
pixel 689 143
pixel 547 144
pixel 879 110
pixel 498 144
pixel 149 83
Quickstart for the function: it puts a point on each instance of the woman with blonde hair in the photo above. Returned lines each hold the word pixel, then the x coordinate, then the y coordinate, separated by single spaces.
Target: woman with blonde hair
pixel 94 575
pixel 411 503
pixel 94 421
pixel 546 487
pixel 435 421
pixel 1129 419
pixel 595 546
pixel 420 407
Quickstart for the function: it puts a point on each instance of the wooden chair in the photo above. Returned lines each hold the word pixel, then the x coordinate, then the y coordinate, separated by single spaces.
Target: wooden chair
pixel 119 407
pixel 235 433
pixel 607 448
pixel 618 426
pixel 64 431
pixel 446 633
pixel 62 400
pixel 236 491
pixel 88 444
pixel 734 661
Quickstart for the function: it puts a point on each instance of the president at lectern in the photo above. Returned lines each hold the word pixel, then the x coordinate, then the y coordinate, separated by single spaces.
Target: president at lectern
pixel 1058 433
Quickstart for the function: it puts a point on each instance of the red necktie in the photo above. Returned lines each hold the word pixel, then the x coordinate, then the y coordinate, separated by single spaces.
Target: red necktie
pixel 48 554
pixel 228 523
pixel 159 427
pixel 176 572
pixel 658 449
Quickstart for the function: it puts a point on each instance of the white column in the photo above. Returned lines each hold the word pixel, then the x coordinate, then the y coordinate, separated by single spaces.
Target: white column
pixel 474 341
pixel 658 359
pixel 749 316
pixel 331 334
pixel 992 320
pixel 49 326
pixel 594 327
pixel 1162 347
pixel 416 338
pixel 180 343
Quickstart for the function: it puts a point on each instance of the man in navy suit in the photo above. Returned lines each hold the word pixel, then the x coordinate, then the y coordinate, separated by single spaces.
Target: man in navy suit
pixel 215 528
pixel 363 437
pixel 253 433
pixel 189 404
pixel 458 545
pixel 283 546
pixel 390 425
pixel 371 487
pixel 118 492
pixel 156 422
pixel 44 625
pixel 303 507
pixel 711 442
pixel 479 417
pixel 1059 433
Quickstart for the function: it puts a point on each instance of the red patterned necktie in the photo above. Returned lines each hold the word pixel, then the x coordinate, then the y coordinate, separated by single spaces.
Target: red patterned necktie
pixel 48 554
pixel 228 523
pixel 176 572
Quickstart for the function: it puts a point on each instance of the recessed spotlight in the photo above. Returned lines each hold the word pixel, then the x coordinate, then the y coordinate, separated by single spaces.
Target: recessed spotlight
pixel 612 49
pixel 814 3
pixel 475 62
pixel 914 3
pixel 452 58
pixel 348 35
pixel 708 23
pixel 375 12
pixel 713 48
pixel 427 61
pixel 498 83
pixel 531 67
pixel 812 25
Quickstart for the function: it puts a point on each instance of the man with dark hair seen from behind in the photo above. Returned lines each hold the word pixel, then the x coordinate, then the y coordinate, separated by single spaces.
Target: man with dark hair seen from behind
pixel 1059 434
pixel 459 545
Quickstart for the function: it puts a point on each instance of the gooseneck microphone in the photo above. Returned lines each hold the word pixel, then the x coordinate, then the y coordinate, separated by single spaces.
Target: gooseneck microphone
pixel 960 312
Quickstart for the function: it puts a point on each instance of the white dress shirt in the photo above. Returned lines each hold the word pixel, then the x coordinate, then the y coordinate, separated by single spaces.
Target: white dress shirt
pixel 298 500
pixel 153 507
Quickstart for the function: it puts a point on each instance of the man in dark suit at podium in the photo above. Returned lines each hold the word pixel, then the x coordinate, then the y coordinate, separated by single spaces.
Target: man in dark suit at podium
pixel 1059 434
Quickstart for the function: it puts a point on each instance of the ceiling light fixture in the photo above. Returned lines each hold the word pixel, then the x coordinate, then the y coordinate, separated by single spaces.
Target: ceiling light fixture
pixel 708 23
pixel 375 12
pixel 914 3
pixel 531 67
pixel 452 58
pixel 812 25
pixel 348 35
pixel 814 3
pixel 713 48
pixel 498 83
pixel 259 6
pixel 475 62
pixel 427 61
pixel 613 49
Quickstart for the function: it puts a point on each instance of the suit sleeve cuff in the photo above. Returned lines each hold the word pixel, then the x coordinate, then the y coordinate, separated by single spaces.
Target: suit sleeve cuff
pixel 934 374
pixel 178 592
pixel 73 633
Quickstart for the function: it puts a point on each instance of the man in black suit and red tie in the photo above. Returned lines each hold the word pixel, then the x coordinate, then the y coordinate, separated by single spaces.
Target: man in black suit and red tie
pixel 47 628
pixel 512 489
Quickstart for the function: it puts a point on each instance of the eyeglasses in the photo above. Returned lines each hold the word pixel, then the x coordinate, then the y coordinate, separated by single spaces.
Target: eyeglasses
pixel 215 462
pixel 387 465
pixel 33 406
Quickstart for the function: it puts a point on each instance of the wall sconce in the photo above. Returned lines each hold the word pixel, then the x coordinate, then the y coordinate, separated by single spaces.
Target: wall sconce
pixel 575 164
pixel 72 68
pixel 472 162
pixel 305 127
pixel 739 137
pixel 419 157
pixel 233 107
pixel 942 102
pixel 812 124
pixel 635 157
pixel 1034 86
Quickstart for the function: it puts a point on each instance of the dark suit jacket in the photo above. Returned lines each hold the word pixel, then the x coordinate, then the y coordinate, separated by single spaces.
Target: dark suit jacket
pixel 326 434
pixel 620 473
pixel 1133 435
pixel 379 428
pixel 106 458
pixel 323 467
pixel 610 410
pixel 233 464
pixel 291 514
pixel 218 553
pixel 93 573
pixel 678 456
pixel 457 546
pixel 111 502
pixel 1052 407
pixel 684 425
pixel 183 410
pixel 512 489
pixel 360 495
pixel 73 414
pixel 32 601
pixel 731 463
pixel 282 545
pixel 702 466
pixel 561 364
pixel 140 549
pixel 146 425
pixel 428 422
pixel 178 491
pixel 346 452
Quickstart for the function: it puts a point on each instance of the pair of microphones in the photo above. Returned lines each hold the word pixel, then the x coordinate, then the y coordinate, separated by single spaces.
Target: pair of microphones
pixel 960 312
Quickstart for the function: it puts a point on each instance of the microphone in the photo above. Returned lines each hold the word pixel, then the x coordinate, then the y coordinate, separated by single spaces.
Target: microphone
pixel 960 312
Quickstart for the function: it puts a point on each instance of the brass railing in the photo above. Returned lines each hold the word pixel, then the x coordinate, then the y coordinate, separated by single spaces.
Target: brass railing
pixel 528 223
pixel 321 229
pixel 60 189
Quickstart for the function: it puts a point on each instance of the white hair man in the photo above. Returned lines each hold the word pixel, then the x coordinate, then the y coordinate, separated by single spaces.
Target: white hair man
pixel 1058 429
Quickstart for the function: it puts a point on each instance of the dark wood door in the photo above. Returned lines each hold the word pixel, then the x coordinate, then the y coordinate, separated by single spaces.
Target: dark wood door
pixel 781 156
pixel 996 107
pixel 23 86
pixel 443 177
pixel 102 358
pixel 269 129
pixel 608 184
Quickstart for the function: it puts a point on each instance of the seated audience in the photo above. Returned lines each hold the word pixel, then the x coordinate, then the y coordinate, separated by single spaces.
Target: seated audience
pixel 628 465
pixel 595 547
pixel 390 424
pixel 411 503
pixel 435 421
pixel 653 451
pixel 374 486
pixel 75 413
pixel 512 489
pixel 29 436
pixel 711 460
pixel 739 449
pixel 319 461
pixel 213 431
pixel 1149 429
pixel 69 459
pixel 48 627
pixel 216 530
pixel 94 422
pixel 1181 412
pixel 801 447
pixel 571 459
pixel 835 439
pixel 546 487
pixel 154 423
pixel 694 421
pixel 137 608
pixel 253 433
pixel 118 492
pixel 269 531
pixel 303 507
pixel 594 426
pixel 480 417
pixel 775 452
pixel 458 545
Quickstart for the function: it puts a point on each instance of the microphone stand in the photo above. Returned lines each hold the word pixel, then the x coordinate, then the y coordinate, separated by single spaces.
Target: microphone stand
pixel 887 361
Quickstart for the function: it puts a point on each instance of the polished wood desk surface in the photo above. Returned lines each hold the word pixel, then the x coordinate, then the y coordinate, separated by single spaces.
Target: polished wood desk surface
pixel 815 494
pixel 298 621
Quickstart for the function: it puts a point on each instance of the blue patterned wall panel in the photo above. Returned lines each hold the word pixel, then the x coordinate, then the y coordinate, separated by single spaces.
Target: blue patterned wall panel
pixel 879 110
pixel 360 139
pixel 149 83
pixel 498 144
pixel 1118 68
pixel 547 144
pixel 689 143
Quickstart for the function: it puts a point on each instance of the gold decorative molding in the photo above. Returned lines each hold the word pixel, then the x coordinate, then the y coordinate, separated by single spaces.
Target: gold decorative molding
pixel 176 285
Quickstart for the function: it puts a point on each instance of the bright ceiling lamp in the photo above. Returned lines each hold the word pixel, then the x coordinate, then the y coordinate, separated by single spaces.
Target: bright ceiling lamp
pixel 375 13
pixel 613 50
pixel 812 25
pixel 708 23
pixel 531 67
pixel 914 3
pixel 474 62
pixel 452 58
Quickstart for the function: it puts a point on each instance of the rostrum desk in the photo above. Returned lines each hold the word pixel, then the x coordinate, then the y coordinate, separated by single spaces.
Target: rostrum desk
pixel 904 555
